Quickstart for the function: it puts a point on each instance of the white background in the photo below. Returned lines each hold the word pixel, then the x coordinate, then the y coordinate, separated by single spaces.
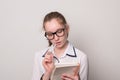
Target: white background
pixel 94 28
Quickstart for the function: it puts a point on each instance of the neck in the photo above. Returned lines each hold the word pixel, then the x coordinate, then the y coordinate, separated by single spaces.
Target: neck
pixel 60 51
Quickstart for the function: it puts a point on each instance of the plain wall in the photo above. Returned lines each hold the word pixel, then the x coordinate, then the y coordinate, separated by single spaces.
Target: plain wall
pixel 94 29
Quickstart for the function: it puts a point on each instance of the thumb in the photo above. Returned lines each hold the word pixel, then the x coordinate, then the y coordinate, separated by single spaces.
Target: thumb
pixel 76 70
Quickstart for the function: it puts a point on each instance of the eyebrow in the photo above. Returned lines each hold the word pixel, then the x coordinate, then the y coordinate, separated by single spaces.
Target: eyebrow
pixel 55 31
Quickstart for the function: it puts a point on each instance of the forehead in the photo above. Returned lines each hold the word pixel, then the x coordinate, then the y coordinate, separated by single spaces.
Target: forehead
pixel 53 25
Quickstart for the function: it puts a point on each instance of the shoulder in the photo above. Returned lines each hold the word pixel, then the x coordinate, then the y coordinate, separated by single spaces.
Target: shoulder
pixel 81 56
pixel 80 53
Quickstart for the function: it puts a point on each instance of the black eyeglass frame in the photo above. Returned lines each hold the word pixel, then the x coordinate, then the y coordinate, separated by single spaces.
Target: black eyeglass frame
pixel 55 33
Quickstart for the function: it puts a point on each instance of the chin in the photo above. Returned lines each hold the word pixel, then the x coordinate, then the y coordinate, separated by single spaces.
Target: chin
pixel 59 46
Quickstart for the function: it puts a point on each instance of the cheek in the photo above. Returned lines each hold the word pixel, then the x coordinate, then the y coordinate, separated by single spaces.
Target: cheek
pixel 64 38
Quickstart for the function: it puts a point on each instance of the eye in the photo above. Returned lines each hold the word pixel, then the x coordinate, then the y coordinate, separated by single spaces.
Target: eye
pixel 48 34
pixel 60 30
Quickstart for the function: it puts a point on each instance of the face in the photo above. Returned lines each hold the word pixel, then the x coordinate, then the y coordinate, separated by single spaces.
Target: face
pixel 57 33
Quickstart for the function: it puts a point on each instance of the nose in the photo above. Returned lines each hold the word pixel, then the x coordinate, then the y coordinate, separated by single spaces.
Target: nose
pixel 56 37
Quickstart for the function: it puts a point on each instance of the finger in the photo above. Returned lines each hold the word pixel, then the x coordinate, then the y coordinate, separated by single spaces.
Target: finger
pixel 67 76
pixel 46 63
pixel 49 55
pixel 47 60
pixel 76 70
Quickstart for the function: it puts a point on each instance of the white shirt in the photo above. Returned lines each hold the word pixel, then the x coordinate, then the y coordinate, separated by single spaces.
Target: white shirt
pixel 71 54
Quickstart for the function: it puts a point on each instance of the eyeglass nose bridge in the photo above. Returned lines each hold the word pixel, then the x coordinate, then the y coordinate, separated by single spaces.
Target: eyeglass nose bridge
pixel 55 33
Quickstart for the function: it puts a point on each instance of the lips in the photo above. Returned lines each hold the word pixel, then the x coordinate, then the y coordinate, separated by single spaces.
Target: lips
pixel 58 43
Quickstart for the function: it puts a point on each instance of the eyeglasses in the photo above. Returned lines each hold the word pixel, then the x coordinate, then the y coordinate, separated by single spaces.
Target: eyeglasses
pixel 58 33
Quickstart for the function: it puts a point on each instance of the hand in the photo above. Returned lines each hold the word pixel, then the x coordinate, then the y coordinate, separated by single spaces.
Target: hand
pixel 48 63
pixel 74 76
pixel 70 77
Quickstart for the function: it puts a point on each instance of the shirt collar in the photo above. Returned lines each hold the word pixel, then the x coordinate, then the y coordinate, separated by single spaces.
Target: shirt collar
pixel 70 51
pixel 49 48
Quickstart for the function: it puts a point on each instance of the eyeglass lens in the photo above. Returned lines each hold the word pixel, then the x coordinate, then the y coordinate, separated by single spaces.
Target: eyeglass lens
pixel 59 33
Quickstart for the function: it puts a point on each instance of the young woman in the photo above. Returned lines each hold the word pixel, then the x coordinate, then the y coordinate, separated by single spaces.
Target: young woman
pixel 57 31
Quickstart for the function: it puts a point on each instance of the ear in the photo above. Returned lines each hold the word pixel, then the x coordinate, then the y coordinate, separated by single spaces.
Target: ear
pixel 67 28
